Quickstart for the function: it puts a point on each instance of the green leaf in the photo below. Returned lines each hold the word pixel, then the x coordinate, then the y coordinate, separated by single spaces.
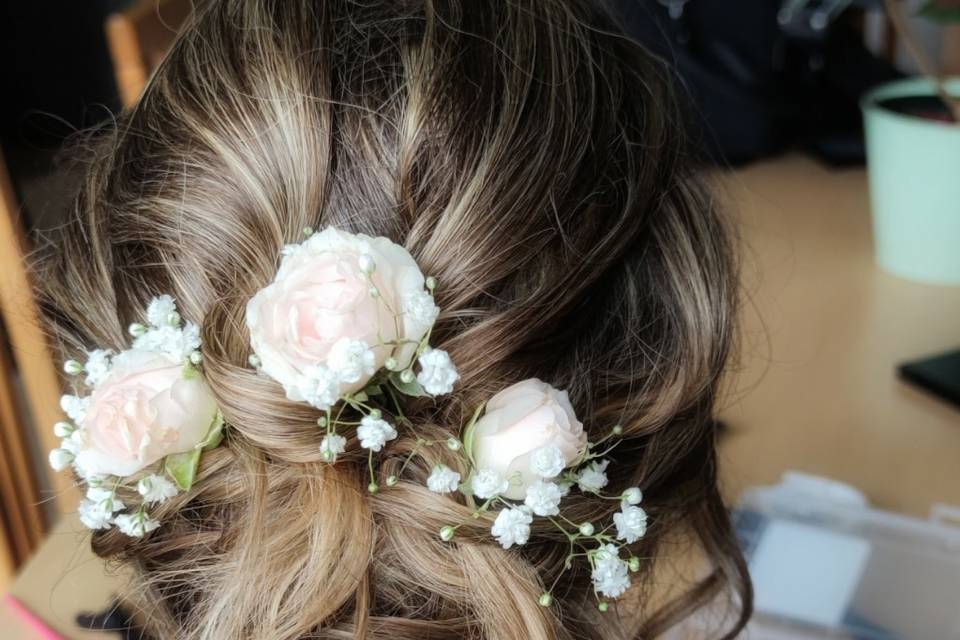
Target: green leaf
pixel 182 467
pixel 214 435
pixel 467 437
pixel 374 390
pixel 941 10
pixel 411 388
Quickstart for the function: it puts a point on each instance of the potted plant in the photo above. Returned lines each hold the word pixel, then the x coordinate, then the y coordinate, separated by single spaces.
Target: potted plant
pixel 912 131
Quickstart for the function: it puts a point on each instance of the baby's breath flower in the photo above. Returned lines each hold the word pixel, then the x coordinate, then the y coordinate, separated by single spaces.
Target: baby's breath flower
pixel 487 484
pixel 319 387
pixel 106 498
pixel 447 533
pixel 156 489
pixel 593 477
pixel 631 524
pixel 159 310
pixel 60 459
pixel 543 498
pixel 512 527
pixel 443 479
pixel 135 525
pixel 63 429
pixel 610 573
pixel 75 407
pixel 351 360
pixel 72 368
pixel 548 462
pixel 375 432
pixel 94 515
pixel 331 446
pixel 419 306
pixel 437 373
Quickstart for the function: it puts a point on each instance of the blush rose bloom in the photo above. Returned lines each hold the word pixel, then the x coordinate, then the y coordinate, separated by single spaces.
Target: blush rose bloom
pixel 518 421
pixel 321 295
pixel 146 409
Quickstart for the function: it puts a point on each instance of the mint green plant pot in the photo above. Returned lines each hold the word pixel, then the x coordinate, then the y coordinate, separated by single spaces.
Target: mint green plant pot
pixel 914 173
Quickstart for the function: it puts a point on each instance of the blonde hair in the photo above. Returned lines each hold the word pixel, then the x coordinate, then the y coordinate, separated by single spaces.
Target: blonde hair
pixel 530 158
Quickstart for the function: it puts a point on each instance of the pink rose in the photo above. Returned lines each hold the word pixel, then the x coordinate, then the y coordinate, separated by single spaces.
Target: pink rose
pixel 521 422
pixel 321 304
pixel 143 411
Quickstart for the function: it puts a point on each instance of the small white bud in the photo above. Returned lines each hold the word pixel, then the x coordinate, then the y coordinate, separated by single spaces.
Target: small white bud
pixel 367 264
pixel 431 283
pixel 634 564
pixel 173 319
pixel 322 421
pixel 407 376
pixel 587 529
pixel 617 430
pixel 453 444
pixel 373 487
pixel 328 455
pixel 60 459
pixel 633 495
pixel 376 414
pixel 196 357
pixel 392 481
pixel 308 231
pixel 136 329
pixel 72 367
pixel 391 364
pixel 63 429
pixel 447 533
pixel 254 360
pixel 603 607
pixel 374 292
pixel 545 600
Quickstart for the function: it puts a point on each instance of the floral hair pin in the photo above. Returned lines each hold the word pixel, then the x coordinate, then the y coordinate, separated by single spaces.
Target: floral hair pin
pixel 346 322
pixel 348 318
pixel 523 453
pixel 149 409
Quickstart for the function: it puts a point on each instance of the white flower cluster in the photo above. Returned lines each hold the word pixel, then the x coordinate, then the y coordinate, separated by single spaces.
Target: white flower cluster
pixel 166 340
pixel 166 332
pixel 553 476
pixel 101 506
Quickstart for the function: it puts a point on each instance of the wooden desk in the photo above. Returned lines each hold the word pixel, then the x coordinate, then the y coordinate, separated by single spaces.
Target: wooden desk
pixel 824 328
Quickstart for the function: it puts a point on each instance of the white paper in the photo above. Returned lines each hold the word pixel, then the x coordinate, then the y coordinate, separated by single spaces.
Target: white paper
pixel 807 573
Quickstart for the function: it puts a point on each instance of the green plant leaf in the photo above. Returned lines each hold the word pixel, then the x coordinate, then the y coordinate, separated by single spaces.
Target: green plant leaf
pixel 467 438
pixel 214 435
pixel 941 10
pixel 374 390
pixel 182 467
pixel 411 388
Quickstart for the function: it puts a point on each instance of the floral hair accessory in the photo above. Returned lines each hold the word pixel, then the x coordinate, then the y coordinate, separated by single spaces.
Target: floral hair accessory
pixel 523 453
pixel 148 409
pixel 348 318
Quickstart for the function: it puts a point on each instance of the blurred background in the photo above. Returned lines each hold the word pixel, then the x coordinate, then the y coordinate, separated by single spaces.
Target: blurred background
pixel 832 129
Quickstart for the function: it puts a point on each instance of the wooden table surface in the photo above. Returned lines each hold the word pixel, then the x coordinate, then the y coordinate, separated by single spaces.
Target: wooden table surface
pixel 824 329
pixel 815 389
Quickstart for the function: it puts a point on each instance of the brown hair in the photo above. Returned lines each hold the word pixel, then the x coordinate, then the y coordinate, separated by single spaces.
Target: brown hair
pixel 530 158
